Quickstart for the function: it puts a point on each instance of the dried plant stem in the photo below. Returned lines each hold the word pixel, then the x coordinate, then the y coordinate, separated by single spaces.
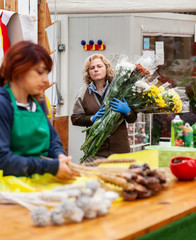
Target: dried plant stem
pixel 100 161
pixel 96 170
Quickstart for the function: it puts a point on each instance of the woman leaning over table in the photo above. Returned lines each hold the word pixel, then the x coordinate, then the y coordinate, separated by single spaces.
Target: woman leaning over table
pixel 26 133
pixel 97 75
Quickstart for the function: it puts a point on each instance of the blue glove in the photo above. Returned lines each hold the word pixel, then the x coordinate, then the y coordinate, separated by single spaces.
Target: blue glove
pixel 99 113
pixel 120 106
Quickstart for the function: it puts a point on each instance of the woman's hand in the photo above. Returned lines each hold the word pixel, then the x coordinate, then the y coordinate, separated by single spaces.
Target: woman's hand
pixel 98 114
pixel 120 106
pixel 64 172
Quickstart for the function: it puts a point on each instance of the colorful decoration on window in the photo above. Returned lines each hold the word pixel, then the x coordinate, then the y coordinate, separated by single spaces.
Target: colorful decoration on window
pixel 92 46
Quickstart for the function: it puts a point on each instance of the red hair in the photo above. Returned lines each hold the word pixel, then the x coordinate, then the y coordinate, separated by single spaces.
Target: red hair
pixel 20 58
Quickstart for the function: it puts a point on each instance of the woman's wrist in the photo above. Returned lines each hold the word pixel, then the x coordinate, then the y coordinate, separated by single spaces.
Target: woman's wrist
pixel 128 114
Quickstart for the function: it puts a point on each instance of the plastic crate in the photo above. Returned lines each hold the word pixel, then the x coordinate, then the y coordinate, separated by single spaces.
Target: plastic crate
pixel 166 153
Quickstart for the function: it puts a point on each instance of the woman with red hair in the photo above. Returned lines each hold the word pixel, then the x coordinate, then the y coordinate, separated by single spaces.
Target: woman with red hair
pixel 28 139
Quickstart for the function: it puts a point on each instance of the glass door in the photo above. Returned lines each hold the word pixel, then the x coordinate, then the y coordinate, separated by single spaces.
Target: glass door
pixel 179 69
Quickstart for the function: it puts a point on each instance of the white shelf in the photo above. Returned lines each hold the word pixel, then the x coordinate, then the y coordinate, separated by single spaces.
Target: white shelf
pixel 139 145
pixel 132 134
pixel 144 121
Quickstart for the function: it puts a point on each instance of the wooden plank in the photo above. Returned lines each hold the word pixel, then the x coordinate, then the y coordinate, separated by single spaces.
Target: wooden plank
pixel 61 124
pixel 11 5
pixel 41 22
pixel 125 220
pixel 16 5
pixel 1 4
pixel 47 45
pixel 48 18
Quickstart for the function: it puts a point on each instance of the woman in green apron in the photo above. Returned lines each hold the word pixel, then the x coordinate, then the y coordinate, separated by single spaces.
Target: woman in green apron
pixel 27 139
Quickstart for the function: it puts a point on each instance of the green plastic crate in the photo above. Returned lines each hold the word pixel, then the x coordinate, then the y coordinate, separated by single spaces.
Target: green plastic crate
pixel 166 153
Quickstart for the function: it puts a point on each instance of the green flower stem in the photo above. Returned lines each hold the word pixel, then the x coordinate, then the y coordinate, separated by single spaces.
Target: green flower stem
pixel 86 129
pixel 87 142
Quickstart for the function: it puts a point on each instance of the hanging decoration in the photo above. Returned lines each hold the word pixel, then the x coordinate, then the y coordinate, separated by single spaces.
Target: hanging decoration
pixel 5 42
pixel 4 39
pixel 92 46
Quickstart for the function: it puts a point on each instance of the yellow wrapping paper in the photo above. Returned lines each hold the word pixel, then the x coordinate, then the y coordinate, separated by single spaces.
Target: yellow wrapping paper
pixel 46 182
pixel 146 156
pixel 36 183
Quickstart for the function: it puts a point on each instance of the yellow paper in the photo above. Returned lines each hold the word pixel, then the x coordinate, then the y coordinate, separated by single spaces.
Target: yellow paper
pixel 146 156
pixel 35 183
pixel 46 182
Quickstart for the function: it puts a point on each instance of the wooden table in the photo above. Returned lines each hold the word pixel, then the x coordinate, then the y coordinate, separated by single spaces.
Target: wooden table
pixel 126 220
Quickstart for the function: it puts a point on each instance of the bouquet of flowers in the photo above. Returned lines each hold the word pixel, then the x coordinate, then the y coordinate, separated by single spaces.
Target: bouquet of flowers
pixel 151 97
pixel 133 81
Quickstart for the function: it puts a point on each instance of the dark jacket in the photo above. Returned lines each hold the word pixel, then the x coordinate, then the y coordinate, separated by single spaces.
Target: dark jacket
pixel 86 105
pixel 16 165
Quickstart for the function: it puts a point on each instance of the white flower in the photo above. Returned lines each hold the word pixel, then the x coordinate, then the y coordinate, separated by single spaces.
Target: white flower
pixel 126 66
pixel 141 86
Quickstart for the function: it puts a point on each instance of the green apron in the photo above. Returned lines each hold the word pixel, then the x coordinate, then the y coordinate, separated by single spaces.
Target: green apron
pixel 30 133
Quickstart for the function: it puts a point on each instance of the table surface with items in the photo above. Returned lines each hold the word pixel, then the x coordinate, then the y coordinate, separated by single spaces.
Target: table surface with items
pixel 125 220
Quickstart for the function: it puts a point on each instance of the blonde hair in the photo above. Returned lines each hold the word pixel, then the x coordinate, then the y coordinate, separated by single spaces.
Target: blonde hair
pixel 109 68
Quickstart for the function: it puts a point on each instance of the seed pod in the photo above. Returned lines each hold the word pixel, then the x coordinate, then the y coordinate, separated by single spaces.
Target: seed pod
pixel 141 180
pixel 145 194
pixel 156 187
pixel 149 173
pixel 129 196
pixel 152 180
pixel 129 187
pixel 160 175
pixel 140 188
pixel 136 171
pixel 129 175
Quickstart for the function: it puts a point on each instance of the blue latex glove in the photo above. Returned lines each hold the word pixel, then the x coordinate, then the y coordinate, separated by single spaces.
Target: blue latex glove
pixel 120 106
pixel 99 113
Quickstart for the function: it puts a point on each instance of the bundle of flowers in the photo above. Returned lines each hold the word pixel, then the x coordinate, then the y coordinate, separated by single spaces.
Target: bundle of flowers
pixel 151 97
pixel 64 204
pixel 133 81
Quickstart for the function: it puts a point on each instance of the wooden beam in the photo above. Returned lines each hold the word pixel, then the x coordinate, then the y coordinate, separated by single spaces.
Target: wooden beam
pixel 41 22
pixel 1 4
pixel 48 18
pixel 47 45
pixel 16 5
pixel 11 5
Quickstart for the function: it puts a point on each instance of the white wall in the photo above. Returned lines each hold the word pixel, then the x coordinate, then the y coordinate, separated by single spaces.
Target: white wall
pixel 124 6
